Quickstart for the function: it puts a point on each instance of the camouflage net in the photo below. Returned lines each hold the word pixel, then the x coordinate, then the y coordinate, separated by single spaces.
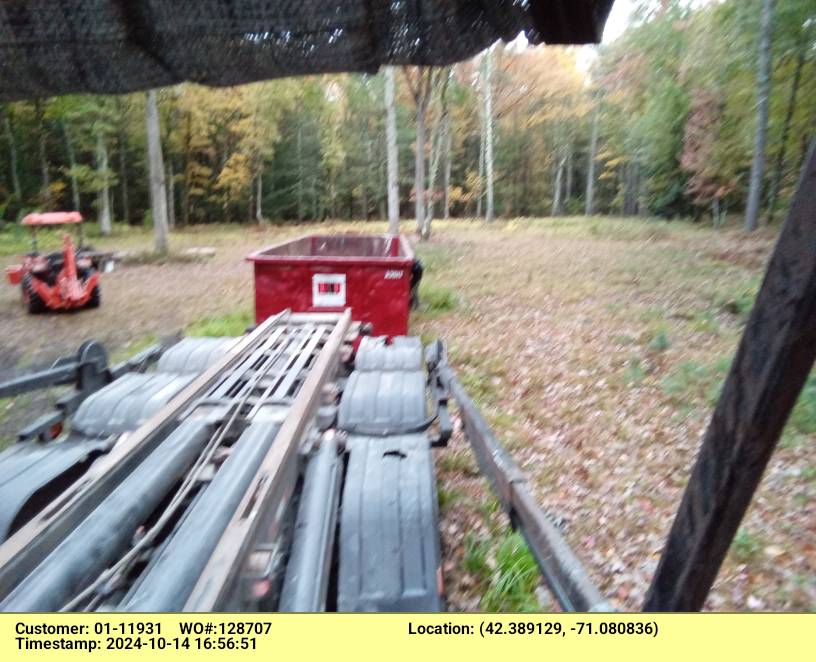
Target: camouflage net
pixel 50 47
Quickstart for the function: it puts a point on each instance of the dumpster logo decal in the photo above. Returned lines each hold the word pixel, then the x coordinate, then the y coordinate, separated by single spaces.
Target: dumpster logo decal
pixel 328 290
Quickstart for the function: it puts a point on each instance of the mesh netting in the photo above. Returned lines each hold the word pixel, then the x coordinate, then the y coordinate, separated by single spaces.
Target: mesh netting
pixel 50 47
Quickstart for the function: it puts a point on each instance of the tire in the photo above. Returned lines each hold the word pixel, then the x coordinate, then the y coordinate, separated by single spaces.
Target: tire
pixel 96 298
pixel 33 301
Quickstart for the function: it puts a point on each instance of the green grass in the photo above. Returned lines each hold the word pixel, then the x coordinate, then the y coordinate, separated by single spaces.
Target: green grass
pixel 231 324
pixel 460 462
pixel 660 341
pixel 475 558
pixel 448 496
pixel 505 569
pixel 436 299
pixel 692 382
pixel 746 546
pixel 512 586
pixel 738 300
pixel 634 373
pixel 803 417
pixel 132 348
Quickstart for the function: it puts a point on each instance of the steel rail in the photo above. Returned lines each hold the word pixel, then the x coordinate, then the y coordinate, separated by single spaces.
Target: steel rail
pixel 192 474
pixel 565 574
pixel 228 558
pixel 28 546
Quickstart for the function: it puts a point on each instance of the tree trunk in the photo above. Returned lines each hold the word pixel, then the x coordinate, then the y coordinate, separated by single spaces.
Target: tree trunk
pixel 763 95
pixel 436 155
pixel 69 149
pixel 447 172
pixel 185 200
pixel 568 168
pixel 103 205
pixel 488 112
pixel 482 142
pixel 593 155
pixel 259 217
pixel 300 170
pixel 392 155
pixel 123 178
pixel 13 162
pixel 158 197
pixel 780 159
pixel 557 205
pixel 170 181
pixel 368 176
pixel 419 171
pixel 45 190
pixel 123 181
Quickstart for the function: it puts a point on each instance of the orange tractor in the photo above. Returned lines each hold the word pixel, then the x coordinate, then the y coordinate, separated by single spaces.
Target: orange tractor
pixel 63 280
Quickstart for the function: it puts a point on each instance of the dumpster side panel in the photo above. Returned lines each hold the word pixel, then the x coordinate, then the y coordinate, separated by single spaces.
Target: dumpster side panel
pixel 378 293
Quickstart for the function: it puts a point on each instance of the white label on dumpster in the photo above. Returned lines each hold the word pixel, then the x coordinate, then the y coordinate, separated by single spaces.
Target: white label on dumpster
pixel 328 290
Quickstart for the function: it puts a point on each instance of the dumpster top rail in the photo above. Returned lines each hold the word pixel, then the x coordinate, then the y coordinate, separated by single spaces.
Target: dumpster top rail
pixel 342 248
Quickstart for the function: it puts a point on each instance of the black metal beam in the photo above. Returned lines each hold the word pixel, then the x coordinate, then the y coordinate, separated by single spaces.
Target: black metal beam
pixel 773 360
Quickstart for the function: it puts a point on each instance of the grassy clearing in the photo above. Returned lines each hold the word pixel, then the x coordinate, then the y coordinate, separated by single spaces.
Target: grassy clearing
pixel 595 348
pixel 435 299
pixel 231 324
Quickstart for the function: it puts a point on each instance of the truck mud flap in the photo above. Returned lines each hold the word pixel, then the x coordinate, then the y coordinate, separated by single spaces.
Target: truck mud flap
pixel 389 554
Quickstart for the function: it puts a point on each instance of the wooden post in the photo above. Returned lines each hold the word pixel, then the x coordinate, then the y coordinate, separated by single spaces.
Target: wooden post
pixel 773 360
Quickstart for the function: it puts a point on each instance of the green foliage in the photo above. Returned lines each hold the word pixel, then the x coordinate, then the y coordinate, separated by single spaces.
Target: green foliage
pixel 513 583
pixel 803 416
pixel 475 558
pixel 674 95
pixel 436 299
pixel 691 383
pixel 231 324
pixel 634 373
pixel 746 546
pixel 660 341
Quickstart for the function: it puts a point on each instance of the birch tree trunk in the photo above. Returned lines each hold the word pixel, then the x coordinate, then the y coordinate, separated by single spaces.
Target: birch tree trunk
pixel 419 171
pixel 103 196
pixel 392 155
pixel 300 170
pixel 13 161
pixel 259 217
pixel 436 155
pixel 763 94
pixel 482 143
pixel 158 197
pixel 421 87
pixel 69 150
pixel 593 155
pixel 170 181
pixel 488 112
pixel 557 205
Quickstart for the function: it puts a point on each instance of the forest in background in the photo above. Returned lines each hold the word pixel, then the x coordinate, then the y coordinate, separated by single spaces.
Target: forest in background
pixel 663 121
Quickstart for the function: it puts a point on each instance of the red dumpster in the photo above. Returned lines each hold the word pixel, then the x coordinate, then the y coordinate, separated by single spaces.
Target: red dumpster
pixel 371 274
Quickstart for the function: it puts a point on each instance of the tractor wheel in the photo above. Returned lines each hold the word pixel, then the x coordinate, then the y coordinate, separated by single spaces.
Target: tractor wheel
pixel 33 301
pixel 96 298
